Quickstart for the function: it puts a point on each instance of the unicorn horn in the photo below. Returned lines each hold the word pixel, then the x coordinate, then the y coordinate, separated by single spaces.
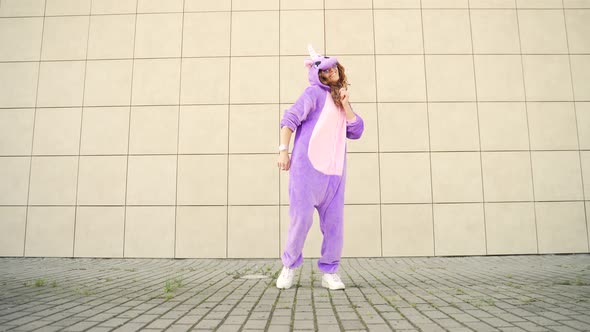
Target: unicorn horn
pixel 313 54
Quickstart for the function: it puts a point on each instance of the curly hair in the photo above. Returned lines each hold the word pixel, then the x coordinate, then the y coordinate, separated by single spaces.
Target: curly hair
pixel 335 87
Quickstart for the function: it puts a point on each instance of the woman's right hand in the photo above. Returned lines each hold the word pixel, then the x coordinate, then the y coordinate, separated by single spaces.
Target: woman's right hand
pixel 283 161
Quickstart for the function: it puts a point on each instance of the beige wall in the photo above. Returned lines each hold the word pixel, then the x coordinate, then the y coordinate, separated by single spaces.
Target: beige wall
pixel 136 129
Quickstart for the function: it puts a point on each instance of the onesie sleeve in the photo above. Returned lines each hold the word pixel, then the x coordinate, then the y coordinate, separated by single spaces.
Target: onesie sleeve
pixel 355 127
pixel 297 113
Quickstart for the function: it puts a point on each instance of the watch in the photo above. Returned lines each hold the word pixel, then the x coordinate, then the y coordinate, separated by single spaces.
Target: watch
pixel 283 147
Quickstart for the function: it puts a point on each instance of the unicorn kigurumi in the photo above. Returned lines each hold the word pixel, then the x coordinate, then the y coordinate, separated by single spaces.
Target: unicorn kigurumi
pixel 318 166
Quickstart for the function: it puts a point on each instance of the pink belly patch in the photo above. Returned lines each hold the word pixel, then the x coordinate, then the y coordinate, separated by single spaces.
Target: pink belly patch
pixel 327 143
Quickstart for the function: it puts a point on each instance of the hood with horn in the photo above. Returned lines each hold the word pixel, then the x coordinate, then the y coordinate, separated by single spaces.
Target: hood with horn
pixel 316 63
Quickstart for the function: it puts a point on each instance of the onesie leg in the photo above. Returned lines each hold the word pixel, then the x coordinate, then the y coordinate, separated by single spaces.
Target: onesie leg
pixel 331 225
pixel 301 213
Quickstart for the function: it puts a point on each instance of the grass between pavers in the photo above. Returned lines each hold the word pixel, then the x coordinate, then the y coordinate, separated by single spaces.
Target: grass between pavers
pixel 190 269
pixel 170 286
pixel 39 282
pixel 529 300
pixel 84 291
pixel 112 269
pixel 481 301
pixel 256 270
pixel 577 282
pixel 511 284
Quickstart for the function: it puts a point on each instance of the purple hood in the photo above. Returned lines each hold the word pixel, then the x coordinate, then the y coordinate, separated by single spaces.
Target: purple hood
pixel 316 63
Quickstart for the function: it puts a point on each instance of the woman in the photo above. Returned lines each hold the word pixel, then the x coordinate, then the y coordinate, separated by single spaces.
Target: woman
pixel 322 118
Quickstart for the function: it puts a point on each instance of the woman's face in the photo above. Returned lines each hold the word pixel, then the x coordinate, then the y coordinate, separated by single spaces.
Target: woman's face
pixel 331 74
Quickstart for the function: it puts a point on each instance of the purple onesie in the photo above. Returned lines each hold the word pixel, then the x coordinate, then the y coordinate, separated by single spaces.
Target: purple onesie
pixel 318 167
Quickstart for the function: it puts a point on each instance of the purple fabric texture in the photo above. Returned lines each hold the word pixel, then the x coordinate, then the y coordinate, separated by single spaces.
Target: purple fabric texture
pixel 309 188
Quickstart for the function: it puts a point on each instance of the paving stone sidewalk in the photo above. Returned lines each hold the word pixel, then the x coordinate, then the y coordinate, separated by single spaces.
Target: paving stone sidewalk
pixel 477 293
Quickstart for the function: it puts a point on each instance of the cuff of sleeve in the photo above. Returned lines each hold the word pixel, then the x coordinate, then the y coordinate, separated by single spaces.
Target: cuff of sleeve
pixel 352 121
pixel 289 125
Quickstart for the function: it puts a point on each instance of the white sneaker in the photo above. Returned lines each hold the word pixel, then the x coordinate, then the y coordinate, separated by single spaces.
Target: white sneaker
pixel 285 279
pixel 332 281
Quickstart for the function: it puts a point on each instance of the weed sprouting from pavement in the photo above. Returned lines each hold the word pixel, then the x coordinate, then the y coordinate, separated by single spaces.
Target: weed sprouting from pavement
pixel 84 291
pixel 529 300
pixel 580 282
pixel 170 286
pixel 577 282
